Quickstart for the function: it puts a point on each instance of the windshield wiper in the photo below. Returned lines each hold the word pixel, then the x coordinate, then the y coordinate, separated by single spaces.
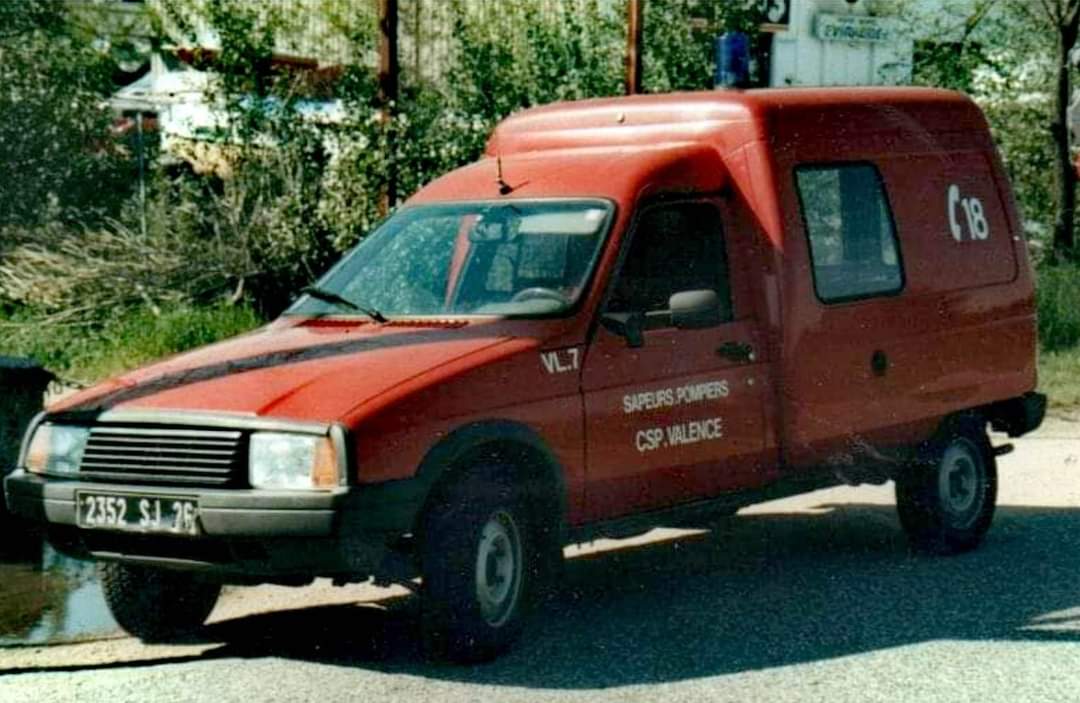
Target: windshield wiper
pixel 335 299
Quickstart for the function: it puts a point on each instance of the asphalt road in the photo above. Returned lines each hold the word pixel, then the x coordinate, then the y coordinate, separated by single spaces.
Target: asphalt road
pixel 815 598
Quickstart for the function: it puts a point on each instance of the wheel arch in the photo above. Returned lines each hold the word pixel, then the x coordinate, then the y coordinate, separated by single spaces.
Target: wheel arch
pixel 492 442
pixel 971 419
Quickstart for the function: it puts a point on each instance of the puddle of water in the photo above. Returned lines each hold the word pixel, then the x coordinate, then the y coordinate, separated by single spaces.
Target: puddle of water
pixel 50 598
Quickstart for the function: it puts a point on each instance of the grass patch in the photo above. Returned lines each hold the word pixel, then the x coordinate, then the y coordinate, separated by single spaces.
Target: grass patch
pixel 90 353
pixel 1058 301
pixel 1059 377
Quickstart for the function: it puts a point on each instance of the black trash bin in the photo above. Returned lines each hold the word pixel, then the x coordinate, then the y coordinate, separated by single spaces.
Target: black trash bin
pixel 23 383
pixel 22 395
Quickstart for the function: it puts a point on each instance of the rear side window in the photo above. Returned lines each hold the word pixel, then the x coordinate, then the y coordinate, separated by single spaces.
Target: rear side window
pixel 853 245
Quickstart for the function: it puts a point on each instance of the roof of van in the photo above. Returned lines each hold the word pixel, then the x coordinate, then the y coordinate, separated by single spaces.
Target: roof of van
pixel 613 172
pixel 614 147
pixel 728 118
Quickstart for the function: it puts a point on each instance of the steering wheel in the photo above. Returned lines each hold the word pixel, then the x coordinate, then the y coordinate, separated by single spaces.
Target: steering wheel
pixel 536 293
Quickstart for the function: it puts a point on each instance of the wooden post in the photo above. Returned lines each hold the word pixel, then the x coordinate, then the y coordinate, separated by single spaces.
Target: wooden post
pixel 417 29
pixel 388 93
pixel 633 46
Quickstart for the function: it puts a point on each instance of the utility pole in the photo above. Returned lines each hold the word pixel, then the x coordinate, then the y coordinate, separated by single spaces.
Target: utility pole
pixel 388 94
pixel 633 46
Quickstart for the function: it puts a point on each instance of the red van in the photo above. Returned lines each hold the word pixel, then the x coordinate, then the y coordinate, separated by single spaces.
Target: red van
pixel 631 312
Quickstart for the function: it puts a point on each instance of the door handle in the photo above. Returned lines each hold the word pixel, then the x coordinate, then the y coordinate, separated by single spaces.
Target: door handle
pixel 736 351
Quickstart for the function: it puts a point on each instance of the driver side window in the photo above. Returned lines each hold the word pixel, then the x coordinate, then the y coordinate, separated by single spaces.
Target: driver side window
pixel 675 247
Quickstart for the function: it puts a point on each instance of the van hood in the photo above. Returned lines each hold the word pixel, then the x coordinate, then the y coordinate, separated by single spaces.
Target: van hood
pixel 316 370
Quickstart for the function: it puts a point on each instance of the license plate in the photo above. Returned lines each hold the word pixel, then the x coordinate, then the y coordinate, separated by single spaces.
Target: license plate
pixel 137 513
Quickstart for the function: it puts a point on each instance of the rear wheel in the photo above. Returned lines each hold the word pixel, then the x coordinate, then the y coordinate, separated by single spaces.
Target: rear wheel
pixel 946 502
pixel 479 556
pixel 156 605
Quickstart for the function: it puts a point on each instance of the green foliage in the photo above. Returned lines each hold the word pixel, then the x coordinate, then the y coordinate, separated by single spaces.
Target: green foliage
pixel 127 340
pixel 677 55
pixel 524 56
pixel 678 38
pixel 1058 298
pixel 56 157
pixel 949 65
pixel 19 17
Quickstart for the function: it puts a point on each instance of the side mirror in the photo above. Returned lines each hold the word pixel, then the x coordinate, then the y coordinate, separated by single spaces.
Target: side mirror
pixel 630 325
pixel 695 309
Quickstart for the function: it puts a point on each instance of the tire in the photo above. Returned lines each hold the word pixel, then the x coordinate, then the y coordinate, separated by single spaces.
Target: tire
pixel 946 501
pixel 156 605
pixel 480 562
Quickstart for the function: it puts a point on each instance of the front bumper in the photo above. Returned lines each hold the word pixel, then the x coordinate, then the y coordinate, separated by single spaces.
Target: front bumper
pixel 350 530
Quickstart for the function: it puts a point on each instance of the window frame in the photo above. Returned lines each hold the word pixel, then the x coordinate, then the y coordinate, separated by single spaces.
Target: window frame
pixel 661 321
pixel 883 189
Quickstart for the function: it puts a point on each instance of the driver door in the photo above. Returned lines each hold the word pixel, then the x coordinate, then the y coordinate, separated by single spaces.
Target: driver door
pixel 680 417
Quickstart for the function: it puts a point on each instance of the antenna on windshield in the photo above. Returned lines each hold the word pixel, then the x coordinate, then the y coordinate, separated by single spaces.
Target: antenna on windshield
pixel 504 187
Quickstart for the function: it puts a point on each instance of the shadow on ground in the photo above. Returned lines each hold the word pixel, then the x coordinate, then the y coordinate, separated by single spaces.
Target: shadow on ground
pixel 757 592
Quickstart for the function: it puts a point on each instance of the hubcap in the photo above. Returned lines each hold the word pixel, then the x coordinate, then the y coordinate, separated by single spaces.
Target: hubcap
pixel 960 482
pixel 498 568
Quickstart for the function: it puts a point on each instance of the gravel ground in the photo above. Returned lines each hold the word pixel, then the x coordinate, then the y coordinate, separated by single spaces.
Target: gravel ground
pixel 807 599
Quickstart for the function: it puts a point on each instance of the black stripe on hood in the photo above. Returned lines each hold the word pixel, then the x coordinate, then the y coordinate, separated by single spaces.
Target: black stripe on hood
pixel 170 381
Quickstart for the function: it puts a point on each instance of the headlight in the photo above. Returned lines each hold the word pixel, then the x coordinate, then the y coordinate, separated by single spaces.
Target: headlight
pixel 56 449
pixel 282 460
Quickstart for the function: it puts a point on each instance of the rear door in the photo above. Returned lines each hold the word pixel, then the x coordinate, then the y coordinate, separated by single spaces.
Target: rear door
pixel 847 318
pixel 679 418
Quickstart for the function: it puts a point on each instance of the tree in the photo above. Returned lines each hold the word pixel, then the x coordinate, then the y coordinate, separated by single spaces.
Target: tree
pixel 1064 17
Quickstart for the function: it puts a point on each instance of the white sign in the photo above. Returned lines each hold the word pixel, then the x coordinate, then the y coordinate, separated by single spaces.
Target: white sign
pixel 856 28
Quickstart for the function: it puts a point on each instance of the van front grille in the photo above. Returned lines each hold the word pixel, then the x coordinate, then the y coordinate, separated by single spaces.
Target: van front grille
pixel 187 456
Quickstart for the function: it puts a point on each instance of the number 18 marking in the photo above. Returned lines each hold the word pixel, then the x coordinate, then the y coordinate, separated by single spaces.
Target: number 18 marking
pixel 977 226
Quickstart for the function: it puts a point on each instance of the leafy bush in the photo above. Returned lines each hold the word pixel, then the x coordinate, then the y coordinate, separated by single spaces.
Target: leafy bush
pixel 59 161
pixel 526 56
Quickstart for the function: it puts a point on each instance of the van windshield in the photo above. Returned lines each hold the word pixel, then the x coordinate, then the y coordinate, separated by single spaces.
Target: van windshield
pixel 520 258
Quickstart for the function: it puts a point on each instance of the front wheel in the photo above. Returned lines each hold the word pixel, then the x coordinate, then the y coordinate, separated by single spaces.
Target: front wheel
pixel 156 605
pixel 946 503
pixel 478 566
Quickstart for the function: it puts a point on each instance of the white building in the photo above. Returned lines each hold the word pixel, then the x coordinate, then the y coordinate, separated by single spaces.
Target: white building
pixel 837 42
